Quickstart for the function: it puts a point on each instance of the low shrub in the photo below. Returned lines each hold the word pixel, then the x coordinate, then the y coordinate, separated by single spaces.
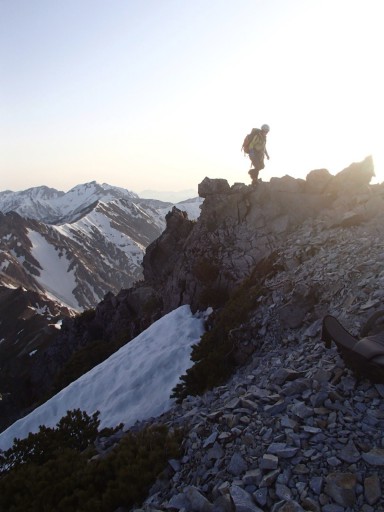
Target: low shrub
pixel 214 355
pixel 75 431
pixel 65 477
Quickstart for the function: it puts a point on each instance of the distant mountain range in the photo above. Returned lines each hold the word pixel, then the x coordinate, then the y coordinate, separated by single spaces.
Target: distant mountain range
pixel 75 247
pixel 62 254
pixel 168 195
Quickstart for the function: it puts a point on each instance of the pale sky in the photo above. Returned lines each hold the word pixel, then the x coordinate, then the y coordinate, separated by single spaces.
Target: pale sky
pixel 160 94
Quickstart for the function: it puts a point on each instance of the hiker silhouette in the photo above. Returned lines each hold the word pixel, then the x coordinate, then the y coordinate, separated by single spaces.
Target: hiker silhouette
pixel 256 149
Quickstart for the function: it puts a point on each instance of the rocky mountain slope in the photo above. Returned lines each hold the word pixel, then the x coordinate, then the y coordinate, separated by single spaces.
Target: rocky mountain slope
pixel 29 323
pixel 292 428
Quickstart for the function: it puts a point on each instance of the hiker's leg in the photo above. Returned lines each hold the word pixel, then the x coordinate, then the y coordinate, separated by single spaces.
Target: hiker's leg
pixel 260 161
pixel 252 157
pixel 255 160
pixel 254 173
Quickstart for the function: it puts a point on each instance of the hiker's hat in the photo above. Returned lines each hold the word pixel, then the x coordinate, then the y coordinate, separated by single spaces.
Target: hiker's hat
pixel 265 128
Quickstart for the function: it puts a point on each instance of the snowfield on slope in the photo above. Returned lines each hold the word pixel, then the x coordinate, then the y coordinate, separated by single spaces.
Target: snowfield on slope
pixel 133 384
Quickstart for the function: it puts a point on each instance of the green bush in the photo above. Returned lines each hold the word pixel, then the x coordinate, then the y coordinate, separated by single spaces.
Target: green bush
pixel 75 431
pixel 206 270
pixel 67 478
pixel 214 297
pixel 214 354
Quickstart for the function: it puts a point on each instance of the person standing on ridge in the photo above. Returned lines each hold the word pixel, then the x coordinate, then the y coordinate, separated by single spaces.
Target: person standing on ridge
pixel 257 151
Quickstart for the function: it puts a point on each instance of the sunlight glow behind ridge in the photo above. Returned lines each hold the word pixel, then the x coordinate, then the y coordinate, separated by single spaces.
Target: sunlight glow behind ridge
pixel 161 96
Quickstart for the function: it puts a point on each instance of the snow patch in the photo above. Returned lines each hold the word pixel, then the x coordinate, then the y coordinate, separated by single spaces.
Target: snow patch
pixel 134 383
pixel 55 276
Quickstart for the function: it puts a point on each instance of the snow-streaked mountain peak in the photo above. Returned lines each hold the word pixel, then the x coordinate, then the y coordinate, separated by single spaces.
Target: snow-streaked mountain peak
pixel 50 205
pixel 79 245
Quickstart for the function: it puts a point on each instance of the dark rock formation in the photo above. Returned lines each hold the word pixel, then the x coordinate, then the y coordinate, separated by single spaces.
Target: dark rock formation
pixel 210 187
pixel 162 254
pixel 29 324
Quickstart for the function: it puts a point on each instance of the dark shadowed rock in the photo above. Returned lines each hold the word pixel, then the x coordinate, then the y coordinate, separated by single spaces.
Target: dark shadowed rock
pixel 342 488
pixel 287 184
pixel 210 187
pixel 372 489
pixel 353 177
pixel 317 180
pixel 162 254
pixel 243 500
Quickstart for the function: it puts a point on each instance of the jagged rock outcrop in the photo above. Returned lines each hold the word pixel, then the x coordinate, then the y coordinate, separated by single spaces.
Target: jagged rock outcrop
pixel 202 262
pixel 196 262
pixel 294 428
pixel 241 225
pixel 210 187
pixel 161 256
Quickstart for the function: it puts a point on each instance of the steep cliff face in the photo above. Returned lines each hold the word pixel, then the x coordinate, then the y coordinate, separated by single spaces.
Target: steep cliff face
pixel 31 321
pixel 201 263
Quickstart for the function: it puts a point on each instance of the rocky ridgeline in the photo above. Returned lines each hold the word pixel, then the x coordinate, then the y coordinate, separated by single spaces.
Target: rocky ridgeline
pixel 241 225
pixel 198 262
pixel 293 429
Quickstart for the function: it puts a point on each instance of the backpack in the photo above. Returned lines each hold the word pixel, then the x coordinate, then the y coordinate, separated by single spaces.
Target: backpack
pixel 247 141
